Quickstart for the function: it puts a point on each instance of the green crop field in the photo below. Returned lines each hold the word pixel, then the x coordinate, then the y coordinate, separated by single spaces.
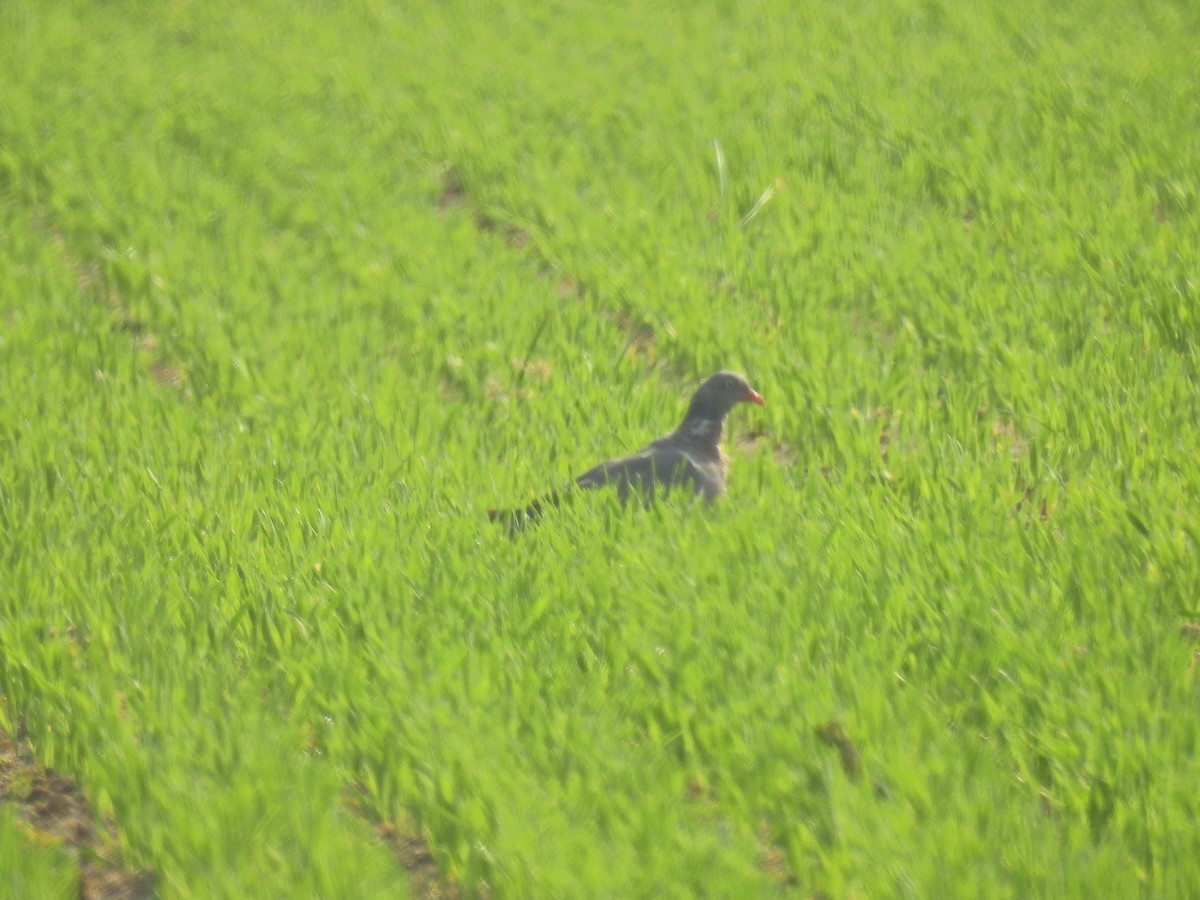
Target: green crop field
pixel 292 293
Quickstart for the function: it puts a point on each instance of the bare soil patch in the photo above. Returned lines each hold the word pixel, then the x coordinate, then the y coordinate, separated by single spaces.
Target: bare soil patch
pixel 54 808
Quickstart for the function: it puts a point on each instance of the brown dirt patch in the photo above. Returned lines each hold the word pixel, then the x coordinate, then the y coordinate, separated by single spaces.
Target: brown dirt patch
pixel 411 848
pixel 54 808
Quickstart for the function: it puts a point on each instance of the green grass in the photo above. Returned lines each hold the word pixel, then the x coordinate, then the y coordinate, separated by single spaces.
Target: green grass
pixel 260 381
pixel 32 867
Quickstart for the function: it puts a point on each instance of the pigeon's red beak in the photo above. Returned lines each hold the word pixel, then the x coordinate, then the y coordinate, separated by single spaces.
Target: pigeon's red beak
pixel 753 396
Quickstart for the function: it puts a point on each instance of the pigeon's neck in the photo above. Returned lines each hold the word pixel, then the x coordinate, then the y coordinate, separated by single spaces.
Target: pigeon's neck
pixel 704 431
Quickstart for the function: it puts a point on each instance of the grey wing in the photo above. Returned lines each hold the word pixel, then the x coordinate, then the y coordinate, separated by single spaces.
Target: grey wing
pixel 684 465
pixel 656 467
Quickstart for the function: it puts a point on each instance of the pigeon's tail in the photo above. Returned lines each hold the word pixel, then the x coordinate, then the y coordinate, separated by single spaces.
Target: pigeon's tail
pixel 517 520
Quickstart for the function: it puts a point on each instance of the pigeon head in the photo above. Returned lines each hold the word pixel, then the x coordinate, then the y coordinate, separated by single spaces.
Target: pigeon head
pixel 719 394
pixel 705 419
